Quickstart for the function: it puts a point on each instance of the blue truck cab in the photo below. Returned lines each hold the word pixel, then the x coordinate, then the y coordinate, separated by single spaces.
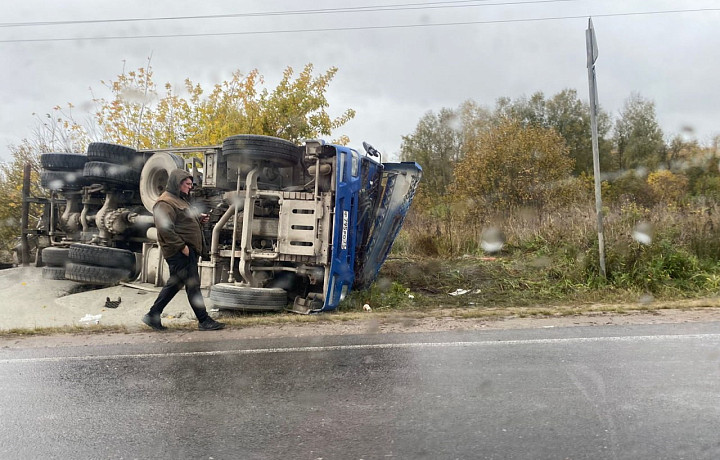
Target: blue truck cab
pixel 371 202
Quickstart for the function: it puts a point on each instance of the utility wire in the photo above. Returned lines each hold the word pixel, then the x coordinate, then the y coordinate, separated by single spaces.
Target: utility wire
pixel 355 9
pixel 355 28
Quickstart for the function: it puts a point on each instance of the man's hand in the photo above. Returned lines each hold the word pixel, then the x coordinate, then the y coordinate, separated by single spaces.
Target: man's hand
pixel 186 251
pixel 204 218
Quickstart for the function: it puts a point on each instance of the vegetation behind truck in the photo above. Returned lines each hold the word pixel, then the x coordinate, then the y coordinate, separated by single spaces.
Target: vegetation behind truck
pixel 290 226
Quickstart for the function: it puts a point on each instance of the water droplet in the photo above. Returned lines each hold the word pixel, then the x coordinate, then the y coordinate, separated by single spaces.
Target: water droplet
pixel 646 299
pixel 643 233
pixel 493 240
pixel 384 284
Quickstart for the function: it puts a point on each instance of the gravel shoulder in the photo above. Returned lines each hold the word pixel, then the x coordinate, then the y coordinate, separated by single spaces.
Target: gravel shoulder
pixel 394 323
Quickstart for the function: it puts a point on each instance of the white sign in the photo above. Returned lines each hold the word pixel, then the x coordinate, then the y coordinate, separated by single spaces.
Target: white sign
pixel 346 219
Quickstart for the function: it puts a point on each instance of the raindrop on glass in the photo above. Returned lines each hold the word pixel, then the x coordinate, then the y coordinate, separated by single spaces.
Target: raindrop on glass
pixel 643 233
pixel 493 240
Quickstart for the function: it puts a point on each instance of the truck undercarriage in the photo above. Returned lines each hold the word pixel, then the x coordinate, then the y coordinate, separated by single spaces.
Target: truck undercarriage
pixel 290 227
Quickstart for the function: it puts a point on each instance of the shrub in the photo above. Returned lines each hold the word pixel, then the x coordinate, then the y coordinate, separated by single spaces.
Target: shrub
pixel 668 187
pixel 513 166
pixel 629 188
pixel 707 187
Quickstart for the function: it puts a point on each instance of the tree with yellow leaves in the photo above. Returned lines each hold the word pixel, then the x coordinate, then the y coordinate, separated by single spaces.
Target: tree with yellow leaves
pixel 513 165
pixel 668 187
pixel 138 116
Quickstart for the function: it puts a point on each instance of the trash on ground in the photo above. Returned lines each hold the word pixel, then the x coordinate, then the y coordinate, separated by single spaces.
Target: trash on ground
pixel 112 303
pixel 366 307
pixel 90 319
pixel 458 292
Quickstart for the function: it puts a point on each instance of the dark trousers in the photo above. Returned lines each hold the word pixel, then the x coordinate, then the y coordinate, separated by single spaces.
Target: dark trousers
pixel 183 270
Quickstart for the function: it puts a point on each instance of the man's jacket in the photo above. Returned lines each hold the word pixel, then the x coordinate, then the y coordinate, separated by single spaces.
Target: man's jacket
pixel 177 223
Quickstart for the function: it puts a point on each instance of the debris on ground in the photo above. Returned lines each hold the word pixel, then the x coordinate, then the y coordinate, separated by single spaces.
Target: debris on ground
pixel 90 319
pixel 112 303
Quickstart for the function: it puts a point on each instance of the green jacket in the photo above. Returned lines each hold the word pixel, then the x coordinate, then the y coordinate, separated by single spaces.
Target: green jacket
pixel 177 223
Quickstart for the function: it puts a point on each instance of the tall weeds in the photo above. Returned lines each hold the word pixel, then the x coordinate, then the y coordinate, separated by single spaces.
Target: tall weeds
pixel 659 249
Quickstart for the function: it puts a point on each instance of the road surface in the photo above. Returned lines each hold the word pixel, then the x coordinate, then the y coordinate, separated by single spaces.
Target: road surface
pixel 616 392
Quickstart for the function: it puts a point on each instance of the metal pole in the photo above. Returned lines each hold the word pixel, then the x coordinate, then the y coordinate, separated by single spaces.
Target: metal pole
pixel 231 277
pixel 25 258
pixel 592 53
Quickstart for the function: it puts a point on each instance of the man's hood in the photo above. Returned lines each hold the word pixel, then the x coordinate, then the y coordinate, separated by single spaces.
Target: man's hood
pixel 176 177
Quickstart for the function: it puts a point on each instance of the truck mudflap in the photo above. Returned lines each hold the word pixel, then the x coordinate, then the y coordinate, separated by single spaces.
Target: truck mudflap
pixel 400 183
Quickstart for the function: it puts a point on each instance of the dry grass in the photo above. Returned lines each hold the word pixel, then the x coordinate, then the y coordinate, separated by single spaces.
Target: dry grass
pixel 75 329
pixel 696 226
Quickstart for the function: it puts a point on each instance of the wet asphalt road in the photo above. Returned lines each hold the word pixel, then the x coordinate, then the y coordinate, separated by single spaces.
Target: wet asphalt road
pixel 638 392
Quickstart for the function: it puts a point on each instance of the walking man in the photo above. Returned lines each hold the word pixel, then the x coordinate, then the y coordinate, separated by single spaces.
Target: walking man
pixel 179 230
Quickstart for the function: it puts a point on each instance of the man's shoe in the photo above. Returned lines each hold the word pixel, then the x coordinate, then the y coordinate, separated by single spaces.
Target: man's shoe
pixel 210 325
pixel 153 322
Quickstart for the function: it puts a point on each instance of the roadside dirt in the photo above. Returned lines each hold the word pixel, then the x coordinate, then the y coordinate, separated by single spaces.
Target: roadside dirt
pixel 371 325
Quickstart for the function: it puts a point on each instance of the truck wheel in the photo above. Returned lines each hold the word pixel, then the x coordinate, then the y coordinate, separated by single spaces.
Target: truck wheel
pixel 250 147
pixel 92 274
pixel 62 180
pixel 102 172
pixel 53 273
pixel 102 256
pixel 55 257
pixel 232 297
pixel 154 176
pixel 116 154
pixel 63 161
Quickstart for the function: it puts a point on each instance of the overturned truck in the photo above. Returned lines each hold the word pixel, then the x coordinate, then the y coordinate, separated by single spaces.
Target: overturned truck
pixel 290 227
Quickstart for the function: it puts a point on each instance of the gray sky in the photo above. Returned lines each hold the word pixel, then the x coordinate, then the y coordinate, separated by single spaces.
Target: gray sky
pixel 390 75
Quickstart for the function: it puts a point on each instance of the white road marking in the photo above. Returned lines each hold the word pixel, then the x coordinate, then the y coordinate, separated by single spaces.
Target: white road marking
pixel 378 346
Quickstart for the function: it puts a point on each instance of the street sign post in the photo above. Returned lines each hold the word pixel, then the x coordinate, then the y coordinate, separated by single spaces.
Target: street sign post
pixel 592 54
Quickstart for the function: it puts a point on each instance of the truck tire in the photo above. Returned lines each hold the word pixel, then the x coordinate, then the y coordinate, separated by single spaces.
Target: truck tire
pixel 54 256
pixel 62 180
pixel 92 274
pixel 154 176
pixel 110 173
pixel 102 256
pixel 115 154
pixel 63 161
pixel 53 273
pixel 232 297
pixel 252 147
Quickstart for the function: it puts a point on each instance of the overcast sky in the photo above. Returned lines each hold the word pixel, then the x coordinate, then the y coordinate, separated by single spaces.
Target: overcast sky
pixel 389 72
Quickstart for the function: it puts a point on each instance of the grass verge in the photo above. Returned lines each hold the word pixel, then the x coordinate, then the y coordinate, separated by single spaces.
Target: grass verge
pixel 482 288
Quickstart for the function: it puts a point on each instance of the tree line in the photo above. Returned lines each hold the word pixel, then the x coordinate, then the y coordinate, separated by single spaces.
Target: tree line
pixel 536 151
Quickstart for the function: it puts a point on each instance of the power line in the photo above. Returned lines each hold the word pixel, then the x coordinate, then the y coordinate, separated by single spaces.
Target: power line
pixel 355 28
pixel 355 9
